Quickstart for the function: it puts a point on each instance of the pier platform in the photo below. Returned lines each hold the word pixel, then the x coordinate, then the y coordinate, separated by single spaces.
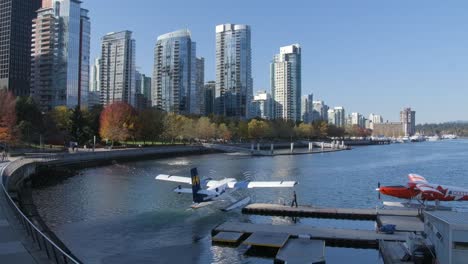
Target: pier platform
pixel 330 213
pixel 332 236
pixel 403 223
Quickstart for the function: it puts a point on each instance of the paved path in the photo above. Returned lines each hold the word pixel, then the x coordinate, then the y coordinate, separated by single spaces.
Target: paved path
pixel 12 249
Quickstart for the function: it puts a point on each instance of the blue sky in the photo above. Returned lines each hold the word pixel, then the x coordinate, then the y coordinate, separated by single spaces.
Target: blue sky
pixel 368 56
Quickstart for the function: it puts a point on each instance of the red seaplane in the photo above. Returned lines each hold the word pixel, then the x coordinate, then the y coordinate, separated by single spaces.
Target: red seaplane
pixel 419 189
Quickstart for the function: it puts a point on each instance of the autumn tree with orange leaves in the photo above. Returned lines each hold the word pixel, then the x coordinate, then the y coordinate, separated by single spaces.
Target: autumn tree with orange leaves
pixel 7 116
pixel 118 122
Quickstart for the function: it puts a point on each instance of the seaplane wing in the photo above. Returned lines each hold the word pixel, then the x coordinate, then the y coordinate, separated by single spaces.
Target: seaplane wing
pixel 261 184
pixel 428 190
pixel 171 178
pixel 415 178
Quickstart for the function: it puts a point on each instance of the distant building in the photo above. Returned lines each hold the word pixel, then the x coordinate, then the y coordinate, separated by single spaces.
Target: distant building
pixel 117 71
pixel 209 97
pixel 142 91
pixel 234 84
pixel 94 99
pixel 15 44
pixel 262 105
pixel 200 83
pixel 374 119
pixel 61 36
pixel 340 116
pixel 331 116
pixel 174 76
pixel 286 82
pixel 307 109
pixel 408 118
pixel 388 129
pixel 95 85
pixel 320 111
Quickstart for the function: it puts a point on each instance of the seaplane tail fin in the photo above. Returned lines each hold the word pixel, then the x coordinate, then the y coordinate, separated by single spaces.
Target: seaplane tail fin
pixel 196 186
pixel 415 178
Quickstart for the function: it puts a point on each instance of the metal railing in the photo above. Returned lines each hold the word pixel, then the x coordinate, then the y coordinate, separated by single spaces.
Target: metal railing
pixel 53 251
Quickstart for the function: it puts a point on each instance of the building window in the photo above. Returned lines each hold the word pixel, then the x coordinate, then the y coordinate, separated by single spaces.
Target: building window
pixel 460 245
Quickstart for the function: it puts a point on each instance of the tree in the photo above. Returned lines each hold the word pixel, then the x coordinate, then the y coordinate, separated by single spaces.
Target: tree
pixel 29 119
pixel 243 130
pixel 204 128
pixel 258 129
pixel 305 131
pixel 172 126
pixel 224 133
pixel 78 131
pixel 118 122
pixel 151 124
pixel 7 116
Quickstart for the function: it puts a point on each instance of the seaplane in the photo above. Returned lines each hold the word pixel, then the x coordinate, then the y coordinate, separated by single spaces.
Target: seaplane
pixel 209 191
pixel 418 188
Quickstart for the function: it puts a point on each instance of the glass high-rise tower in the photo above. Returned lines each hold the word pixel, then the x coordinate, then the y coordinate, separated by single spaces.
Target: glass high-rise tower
pixel 15 44
pixel 175 73
pixel 234 91
pixel 61 36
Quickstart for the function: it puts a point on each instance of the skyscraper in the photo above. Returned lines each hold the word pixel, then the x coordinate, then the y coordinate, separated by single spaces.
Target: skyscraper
pixel 175 73
pixel 320 111
pixel 286 83
pixel 95 85
pixel 307 109
pixel 200 83
pixel 209 94
pixel 340 116
pixel 142 91
pixel 408 119
pixel 15 44
pixel 234 85
pixel 60 54
pixel 117 68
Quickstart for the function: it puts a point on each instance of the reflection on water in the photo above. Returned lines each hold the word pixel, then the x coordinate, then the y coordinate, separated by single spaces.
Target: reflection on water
pixel 120 214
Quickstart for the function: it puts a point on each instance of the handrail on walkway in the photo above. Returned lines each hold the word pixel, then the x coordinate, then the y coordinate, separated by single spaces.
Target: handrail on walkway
pixel 53 251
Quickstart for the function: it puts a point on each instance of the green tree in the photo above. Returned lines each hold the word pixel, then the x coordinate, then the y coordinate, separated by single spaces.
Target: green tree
pixel 151 124
pixel 258 129
pixel 29 119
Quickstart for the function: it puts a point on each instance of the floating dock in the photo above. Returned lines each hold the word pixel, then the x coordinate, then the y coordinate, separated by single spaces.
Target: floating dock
pixel 332 236
pixel 330 213
pixel 300 251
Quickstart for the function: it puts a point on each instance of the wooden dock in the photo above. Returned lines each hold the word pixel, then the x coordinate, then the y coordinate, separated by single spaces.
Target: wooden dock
pixel 403 223
pixel 332 236
pixel 330 213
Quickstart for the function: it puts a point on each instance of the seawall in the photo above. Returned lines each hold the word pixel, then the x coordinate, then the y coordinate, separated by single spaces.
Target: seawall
pixel 17 175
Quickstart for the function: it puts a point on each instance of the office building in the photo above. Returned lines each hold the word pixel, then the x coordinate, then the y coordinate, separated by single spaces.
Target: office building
pixel 95 85
pixel 234 85
pixel 15 44
pixel 340 116
pixel 209 97
pixel 200 83
pixel 320 111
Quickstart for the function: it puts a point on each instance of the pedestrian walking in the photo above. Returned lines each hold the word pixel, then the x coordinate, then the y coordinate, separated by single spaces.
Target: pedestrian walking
pixel 294 202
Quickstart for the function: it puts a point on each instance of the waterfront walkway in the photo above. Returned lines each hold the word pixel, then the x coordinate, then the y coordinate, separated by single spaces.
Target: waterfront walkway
pixel 12 249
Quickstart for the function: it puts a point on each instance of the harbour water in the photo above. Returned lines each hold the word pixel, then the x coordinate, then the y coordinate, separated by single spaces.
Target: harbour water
pixel 120 214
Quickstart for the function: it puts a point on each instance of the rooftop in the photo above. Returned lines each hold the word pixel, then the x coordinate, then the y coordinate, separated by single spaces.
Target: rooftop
pixel 451 218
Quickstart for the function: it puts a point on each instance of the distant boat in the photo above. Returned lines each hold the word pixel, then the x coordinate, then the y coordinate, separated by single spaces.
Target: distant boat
pixel 449 136
pixel 417 138
pixel 433 138
pixel 405 139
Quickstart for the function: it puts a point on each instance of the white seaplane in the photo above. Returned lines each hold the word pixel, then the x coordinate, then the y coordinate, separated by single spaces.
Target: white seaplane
pixel 214 191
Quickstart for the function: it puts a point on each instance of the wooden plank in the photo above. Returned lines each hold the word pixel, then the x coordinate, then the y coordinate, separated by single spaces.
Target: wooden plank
pixel 344 237
pixel 267 239
pixel 302 251
pixel 227 237
pixel 403 223
pixel 334 213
